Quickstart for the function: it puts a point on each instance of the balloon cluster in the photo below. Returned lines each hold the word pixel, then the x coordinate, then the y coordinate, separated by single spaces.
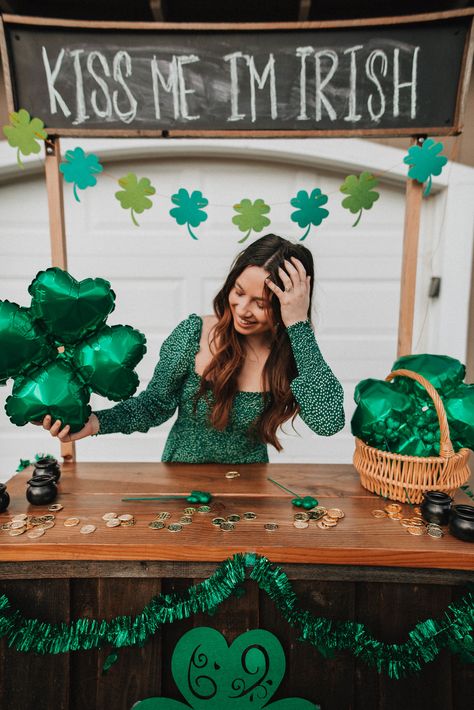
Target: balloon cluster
pixel 400 417
pixel 59 350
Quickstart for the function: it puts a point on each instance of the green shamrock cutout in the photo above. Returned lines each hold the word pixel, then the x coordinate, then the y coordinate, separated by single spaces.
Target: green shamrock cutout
pixel 189 209
pixel 134 194
pixel 212 675
pixel 425 162
pixel 310 210
pixel 361 193
pixel 23 133
pixel 251 216
pixel 80 169
pixel 95 358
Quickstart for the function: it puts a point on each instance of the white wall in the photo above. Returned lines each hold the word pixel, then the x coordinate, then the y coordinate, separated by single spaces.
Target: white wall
pixel 160 274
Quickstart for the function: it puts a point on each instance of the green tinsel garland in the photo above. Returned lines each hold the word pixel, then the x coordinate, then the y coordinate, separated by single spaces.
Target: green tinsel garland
pixel 453 631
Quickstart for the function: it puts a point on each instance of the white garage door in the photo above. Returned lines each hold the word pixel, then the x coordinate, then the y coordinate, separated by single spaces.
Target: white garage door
pixel 160 274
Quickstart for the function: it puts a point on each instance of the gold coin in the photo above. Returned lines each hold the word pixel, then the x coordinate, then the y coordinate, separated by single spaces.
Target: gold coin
pixel 47 518
pixel 109 516
pixel 17 524
pixel 185 520
pixel 71 522
pixel 87 529
pixel 271 527
pixel 417 523
pixel 234 518
pixel 218 521
pixel 417 510
pixel 164 515
pixel 112 523
pixel 20 516
pixel 329 522
pixel 392 508
pixel 395 516
pixel 250 516
pixel 227 526
pixel 301 516
pixel 37 532
pixel 47 525
pixel 55 507
pixel 175 527
pixel 378 513
pixel 232 474
pixel 321 524
pixel 5 526
pixel 300 524
pixel 435 532
pixel 127 523
pixel 316 514
pixel 189 511
pixel 125 517
pixel 204 509
pixel 17 531
pixel 406 522
pixel 414 530
pixel 156 525
pixel 335 513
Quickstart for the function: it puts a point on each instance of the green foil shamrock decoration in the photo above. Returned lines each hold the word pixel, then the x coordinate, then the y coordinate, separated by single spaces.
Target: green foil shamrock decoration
pixel 23 133
pixel 307 502
pixel 189 209
pixel 80 169
pixel 69 315
pixel 251 217
pixel 425 161
pixel 199 497
pixel 310 211
pixel 134 196
pixel 211 675
pixel 360 193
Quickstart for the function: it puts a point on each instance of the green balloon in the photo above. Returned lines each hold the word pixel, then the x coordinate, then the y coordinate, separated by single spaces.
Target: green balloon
pixel 53 389
pixel 445 373
pixel 460 411
pixel 106 360
pixel 70 310
pixel 23 345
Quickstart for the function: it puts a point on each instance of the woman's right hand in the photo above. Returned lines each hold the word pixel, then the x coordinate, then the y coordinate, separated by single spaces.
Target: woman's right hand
pixel 90 427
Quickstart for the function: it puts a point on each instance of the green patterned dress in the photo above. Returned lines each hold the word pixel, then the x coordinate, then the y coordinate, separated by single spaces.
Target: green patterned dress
pixel 192 439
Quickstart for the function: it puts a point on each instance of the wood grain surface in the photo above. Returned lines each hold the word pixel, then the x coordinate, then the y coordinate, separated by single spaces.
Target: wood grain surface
pixel 88 490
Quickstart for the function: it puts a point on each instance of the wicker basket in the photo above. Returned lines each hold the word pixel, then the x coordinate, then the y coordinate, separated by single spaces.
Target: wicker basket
pixel 395 475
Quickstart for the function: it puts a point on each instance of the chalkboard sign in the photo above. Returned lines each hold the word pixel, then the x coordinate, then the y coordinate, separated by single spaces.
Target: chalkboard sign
pixel 308 79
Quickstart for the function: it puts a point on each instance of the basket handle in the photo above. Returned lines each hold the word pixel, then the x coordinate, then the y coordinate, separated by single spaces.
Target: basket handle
pixel 445 446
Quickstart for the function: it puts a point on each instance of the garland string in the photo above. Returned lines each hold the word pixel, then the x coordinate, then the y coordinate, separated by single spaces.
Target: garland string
pixel 425 641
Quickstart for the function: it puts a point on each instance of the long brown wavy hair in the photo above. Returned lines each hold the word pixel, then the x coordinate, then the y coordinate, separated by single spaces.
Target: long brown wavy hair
pixel 221 374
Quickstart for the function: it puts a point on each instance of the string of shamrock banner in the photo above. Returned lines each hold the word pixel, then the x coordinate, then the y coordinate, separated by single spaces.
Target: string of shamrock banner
pixel 425 641
pixel 81 169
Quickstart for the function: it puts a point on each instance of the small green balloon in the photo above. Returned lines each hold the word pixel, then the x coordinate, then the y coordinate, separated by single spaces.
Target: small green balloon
pixel 22 343
pixel 298 502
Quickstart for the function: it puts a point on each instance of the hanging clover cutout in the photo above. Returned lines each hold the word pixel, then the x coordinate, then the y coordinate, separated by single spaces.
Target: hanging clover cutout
pixel 94 358
pixel 251 217
pixel 134 195
pixel 425 161
pixel 23 133
pixel 80 169
pixel 310 210
pixel 361 193
pixel 189 209
pixel 211 675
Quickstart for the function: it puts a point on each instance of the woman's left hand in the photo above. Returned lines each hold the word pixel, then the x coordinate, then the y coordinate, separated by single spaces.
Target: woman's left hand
pixel 294 300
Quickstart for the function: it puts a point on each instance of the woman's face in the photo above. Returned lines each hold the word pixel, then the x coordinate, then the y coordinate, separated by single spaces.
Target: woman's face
pixel 248 299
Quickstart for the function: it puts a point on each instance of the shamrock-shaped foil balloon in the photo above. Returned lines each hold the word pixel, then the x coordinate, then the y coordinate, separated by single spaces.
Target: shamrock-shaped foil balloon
pixel 189 209
pixel 251 217
pixel 425 161
pixel 310 210
pixel 23 133
pixel 307 502
pixel 134 196
pixel 361 193
pixel 69 315
pixel 80 169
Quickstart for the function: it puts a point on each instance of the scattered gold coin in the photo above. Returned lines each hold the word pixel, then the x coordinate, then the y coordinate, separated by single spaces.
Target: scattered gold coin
pixel 55 507
pixel 392 508
pixel 218 521
pixel 271 527
pixel 17 524
pixel 204 509
pixel 395 516
pixel 250 516
pixel 301 524
pixel 36 532
pixel 329 522
pixel 17 531
pixel 125 518
pixel 378 513
pixel 20 516
pixel 109 516
pixel 335 513
pixel 189 511
pixel 415 530
pixel 417 510
pixel 301 516
pixel 112 523
pixel 71 522
pixel 227 526
pixel 321 524
pixel 185 520
pixel 47 525
pixel 156 525
pixel 234 518
pixel 175 527
pixel 87 529
pixel 232 474
pixel 164 515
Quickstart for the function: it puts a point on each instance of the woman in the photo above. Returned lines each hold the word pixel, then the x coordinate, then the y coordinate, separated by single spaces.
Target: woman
pixel 237 375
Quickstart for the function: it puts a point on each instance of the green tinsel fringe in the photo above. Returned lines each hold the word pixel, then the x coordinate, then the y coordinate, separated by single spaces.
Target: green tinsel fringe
pixel 425 641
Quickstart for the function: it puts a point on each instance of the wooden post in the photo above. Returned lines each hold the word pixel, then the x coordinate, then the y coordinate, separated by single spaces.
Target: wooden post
pixel 57 230
pixel 414 197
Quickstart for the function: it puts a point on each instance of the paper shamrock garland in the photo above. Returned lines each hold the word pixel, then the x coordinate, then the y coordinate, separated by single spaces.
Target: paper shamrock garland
pixel 400 416
pixel 71 314
pixel 211 675
pixel 189 209
pixel 251 217
pixel 134 196
pixel 80 169
pixel 425 161
pixel 23 133
pixel 361 193
pixel 310 211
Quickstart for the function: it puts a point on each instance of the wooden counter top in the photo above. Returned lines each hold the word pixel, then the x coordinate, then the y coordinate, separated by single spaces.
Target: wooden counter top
pixel 88 490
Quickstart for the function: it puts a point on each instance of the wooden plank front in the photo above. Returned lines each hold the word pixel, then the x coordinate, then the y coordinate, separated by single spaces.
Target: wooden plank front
pixel 88 490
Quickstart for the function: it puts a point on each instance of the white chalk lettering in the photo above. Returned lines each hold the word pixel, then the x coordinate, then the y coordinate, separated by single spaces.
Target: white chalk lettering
pixel 51 76
pixel 370 71
pixel 107 111
pixel 321 85
pixel 125 116
pixel 408 84
pixel 352 115
pixel 303 52
pixel 81 112
pixel 182 60
pixel 234 86
pixel 170 86
pixel 261 80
